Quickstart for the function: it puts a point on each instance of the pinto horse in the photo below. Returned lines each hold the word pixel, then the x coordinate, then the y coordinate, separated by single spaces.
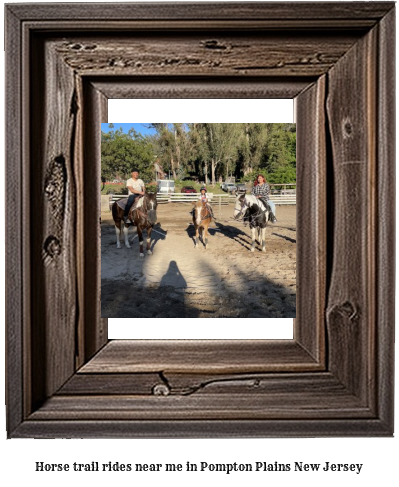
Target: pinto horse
pixel 250 209
pixel 143 215
pixel 202 217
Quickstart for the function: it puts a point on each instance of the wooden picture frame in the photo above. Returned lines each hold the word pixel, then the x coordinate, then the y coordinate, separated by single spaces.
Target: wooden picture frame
pixel 335 378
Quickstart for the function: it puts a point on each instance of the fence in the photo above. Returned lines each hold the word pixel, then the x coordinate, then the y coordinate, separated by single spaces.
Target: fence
pixel 218 199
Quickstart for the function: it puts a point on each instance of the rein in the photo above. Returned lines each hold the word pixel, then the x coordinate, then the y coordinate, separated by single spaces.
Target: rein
pixel 253 217
pixel 205 217
pixel 143 215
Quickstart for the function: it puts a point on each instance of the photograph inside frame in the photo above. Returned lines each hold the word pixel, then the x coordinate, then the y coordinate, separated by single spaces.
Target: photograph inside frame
pixel 198 220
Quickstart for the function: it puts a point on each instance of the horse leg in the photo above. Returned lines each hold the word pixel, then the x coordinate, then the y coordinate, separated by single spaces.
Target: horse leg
pixel 205 231
pixel 253 239
pixel 118 231
pixel 149 241
pixel 126 233
pixel 263 239
pixel 196 236
pixel 141 242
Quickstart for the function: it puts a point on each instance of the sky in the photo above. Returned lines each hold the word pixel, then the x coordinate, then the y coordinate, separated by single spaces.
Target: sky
pixel 138 127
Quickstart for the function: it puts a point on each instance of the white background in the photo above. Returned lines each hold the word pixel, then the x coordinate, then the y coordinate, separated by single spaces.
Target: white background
pixel 18 457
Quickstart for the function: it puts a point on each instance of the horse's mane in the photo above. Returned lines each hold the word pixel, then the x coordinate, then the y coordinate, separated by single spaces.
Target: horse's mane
pixel 252 200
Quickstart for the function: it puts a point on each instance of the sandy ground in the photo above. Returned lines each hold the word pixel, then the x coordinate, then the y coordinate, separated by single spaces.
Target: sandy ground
pixel 225 280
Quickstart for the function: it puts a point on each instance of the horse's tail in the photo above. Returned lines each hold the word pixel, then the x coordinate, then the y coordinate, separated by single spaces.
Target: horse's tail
pixel 114 210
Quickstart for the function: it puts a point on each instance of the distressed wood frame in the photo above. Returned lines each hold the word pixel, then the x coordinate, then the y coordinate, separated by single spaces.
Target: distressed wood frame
pixel 64 378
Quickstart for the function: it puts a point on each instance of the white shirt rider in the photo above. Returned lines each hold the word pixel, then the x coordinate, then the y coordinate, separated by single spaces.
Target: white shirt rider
pixel 135 186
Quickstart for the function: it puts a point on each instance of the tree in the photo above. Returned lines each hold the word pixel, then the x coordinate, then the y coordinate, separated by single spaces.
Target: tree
pixel 252 145
pixel 280 149
pixel 222 144
pixel 172 146
pixel 120 153
pixel 200 153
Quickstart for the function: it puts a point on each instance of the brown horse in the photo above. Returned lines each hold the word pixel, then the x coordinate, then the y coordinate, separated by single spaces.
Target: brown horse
pixel 202 217
pixel 143 215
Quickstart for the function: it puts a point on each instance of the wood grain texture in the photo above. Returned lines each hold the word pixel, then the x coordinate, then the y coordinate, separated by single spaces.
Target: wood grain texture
pixel 385 218
pixel 203 407
pixel 351 307
pixel 200 356
pixel 185 384
pixel 311 218
pixel 202 389
pixel 212 55
pixel 95 330
pixel 53 203
pixel 196 87
pixel 190 428
pixel 16 318
pixel 307 12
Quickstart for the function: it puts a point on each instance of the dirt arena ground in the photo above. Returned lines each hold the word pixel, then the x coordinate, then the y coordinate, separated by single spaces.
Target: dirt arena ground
pixel 225 280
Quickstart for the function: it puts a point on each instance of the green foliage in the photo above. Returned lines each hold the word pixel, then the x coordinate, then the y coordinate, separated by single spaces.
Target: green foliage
pixel 280 150
pixel 285 174
pixel 208 151
pixel 120 153
pixel 249 177
pixel 151 188
pixel 172 146
pixel 114 189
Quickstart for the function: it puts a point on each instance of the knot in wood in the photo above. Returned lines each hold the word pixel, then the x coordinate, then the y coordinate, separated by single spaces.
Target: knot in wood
pixel 50 189
pixel 213 44
pixel 52 246
pixel 161 390
pixel 347 128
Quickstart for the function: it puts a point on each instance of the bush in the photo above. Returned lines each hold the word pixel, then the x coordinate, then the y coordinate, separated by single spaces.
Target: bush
pixel 283 175
pixel 114 188
pixel 151 188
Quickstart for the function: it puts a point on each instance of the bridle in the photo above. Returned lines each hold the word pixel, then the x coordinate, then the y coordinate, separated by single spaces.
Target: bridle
pixel 241 214
pixel 206 216
pixel 145 215
pixel 245 206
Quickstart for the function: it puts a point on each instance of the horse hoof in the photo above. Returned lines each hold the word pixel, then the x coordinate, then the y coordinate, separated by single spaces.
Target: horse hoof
pixel 118 246
pixel 128 246
pixel 141 255
pixel 263 250
pixel 252 249
pixel 149 252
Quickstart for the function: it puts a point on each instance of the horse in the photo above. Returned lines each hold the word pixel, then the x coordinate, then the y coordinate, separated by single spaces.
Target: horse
pixel 143 215
pixel 249 208
pixel 202 217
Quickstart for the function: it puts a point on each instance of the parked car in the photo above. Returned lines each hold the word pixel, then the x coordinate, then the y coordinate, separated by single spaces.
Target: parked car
pixel 241 188
pixel 229 187
pixel 188 189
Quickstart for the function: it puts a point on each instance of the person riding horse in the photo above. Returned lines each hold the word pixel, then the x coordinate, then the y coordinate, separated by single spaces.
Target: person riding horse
pixel 261 190
pixel 136 189
pixel 204 198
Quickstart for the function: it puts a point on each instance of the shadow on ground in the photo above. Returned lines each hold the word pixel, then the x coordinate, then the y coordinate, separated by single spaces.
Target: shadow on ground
pixel 244 297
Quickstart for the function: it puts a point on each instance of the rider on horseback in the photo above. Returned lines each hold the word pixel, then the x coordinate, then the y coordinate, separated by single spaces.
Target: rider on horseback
pixel 204 198
pixel 262 190
pixel 136 189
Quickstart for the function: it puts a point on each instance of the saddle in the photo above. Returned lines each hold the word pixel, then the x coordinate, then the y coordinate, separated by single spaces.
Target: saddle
pixel 269 209
pixel 138 203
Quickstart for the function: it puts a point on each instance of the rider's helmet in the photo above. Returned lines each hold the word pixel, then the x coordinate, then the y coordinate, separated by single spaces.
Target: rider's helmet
pixel 202 189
